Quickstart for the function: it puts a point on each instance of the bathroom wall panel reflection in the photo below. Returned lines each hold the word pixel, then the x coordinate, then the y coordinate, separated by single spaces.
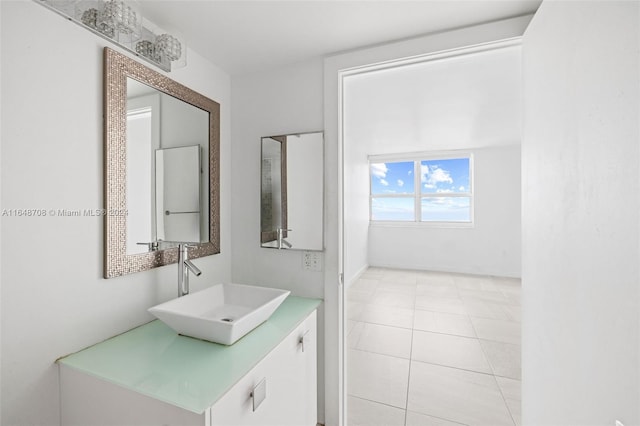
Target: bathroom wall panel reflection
pixel 292 188
pixel 167 183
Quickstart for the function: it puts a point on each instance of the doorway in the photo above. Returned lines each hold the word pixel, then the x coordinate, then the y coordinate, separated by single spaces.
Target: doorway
pixel 438 315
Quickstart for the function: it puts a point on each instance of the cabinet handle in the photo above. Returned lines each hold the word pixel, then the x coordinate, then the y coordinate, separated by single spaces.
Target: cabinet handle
pixel 259 393
pixel 302 338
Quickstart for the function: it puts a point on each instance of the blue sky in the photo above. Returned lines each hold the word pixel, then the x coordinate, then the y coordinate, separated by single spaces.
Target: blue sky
pixel 436 176
pixel 392 178
pixel 450 175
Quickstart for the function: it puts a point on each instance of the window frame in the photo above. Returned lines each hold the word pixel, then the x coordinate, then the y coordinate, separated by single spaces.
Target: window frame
pixel 418 195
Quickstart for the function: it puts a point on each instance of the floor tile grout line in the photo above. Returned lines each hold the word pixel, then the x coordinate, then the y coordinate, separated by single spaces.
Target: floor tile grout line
pixel 513 420
pixel 505 400
pixel 491 367
pixel 458 368
pixel 355 344
pixel 446 334
pixel 385 325
pixel 438 364
pixel 439 418
pixel 375 402
pixel 452 313
pixel 387 355
pixel 413 323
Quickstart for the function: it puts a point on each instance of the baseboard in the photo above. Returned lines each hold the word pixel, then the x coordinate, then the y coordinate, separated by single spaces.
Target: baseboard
pixel 446 270
pixel 356 276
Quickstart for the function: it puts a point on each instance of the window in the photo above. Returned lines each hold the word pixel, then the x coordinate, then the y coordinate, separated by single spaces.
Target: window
pixel 423 189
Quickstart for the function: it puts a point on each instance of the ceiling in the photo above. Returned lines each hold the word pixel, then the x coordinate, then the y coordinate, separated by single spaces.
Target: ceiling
pixel 244 36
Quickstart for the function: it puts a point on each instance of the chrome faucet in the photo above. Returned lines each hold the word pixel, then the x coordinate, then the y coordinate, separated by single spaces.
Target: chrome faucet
pixel 184 266
pixel 281 240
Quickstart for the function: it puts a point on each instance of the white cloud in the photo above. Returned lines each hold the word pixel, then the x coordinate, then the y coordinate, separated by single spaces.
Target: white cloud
pixel 384 182
pixel 400 182
pixel 379 170
pixel 461 188
pixel 431 176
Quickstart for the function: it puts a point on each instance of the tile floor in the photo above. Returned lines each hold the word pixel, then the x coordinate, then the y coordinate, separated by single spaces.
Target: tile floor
pixel 428 348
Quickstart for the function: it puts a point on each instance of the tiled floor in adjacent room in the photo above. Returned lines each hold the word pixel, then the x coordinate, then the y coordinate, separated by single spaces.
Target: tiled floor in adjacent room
pixel 428 348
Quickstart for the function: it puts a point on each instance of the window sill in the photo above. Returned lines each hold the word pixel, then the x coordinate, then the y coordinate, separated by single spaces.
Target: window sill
pixel 428 225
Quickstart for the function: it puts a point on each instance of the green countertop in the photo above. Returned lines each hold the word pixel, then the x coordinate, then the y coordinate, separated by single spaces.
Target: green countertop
pixel 189 373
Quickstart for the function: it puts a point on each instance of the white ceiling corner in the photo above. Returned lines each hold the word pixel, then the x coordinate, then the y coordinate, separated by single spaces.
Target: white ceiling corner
pixel 244 36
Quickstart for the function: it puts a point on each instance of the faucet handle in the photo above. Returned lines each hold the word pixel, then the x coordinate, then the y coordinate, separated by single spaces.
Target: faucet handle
pixel 280 232
pixel 152 245
pixel 189 244
pixel 182 248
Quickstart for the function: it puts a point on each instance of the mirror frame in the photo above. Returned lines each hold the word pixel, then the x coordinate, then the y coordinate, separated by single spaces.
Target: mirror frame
pixel 117 68
pixel 267 236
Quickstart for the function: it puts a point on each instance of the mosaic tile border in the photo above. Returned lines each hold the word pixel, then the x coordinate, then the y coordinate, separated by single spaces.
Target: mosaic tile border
pixel 117 68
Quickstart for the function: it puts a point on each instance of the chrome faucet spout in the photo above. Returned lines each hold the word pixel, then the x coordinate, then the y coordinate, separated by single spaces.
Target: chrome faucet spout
pixel 280 238
pixel 184 266
pixel 193 268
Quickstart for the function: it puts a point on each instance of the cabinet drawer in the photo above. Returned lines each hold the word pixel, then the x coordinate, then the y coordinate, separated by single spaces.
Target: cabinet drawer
pixel 286 378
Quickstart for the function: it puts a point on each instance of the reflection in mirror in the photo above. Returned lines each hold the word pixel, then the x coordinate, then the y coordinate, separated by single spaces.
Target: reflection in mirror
pixel 274 189
pixel 291 205
pixel 167 183
pixel 162 143
pixel 178 192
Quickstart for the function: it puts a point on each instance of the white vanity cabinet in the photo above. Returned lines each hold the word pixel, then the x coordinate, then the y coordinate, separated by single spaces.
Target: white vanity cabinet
pixel 278 388
pixel 288 375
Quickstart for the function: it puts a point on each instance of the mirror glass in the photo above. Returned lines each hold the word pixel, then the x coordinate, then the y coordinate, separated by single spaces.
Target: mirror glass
pixel 167 182
pixel 162 150
pixel 292 182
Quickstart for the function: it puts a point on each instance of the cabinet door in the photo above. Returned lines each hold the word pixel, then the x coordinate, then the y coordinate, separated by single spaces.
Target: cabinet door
pixel 289 373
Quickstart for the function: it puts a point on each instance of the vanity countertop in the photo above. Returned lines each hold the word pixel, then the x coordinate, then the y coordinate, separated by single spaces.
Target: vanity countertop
pixel 189 373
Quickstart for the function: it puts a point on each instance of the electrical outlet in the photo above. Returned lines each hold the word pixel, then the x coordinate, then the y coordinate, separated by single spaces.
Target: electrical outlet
pixel 619 423
pixel 312 261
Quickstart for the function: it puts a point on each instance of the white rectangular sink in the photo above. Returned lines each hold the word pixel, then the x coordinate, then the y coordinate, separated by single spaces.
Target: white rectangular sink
pixel 221 314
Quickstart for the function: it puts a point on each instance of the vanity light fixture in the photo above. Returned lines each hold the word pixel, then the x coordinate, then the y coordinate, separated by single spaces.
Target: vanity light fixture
pixel 122 23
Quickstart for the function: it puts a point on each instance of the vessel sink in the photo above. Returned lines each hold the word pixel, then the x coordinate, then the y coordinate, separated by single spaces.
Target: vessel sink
pixel 221 314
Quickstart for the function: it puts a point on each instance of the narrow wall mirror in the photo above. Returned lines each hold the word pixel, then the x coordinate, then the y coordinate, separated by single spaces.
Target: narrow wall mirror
pixel 161 168
pixel 292 182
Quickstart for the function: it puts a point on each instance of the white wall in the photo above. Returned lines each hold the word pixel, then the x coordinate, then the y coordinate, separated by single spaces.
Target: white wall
pixel 580 352
pixel 469 102
pixel 275 102
pixel 54 299
pixel 283 101
pixel 356 207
